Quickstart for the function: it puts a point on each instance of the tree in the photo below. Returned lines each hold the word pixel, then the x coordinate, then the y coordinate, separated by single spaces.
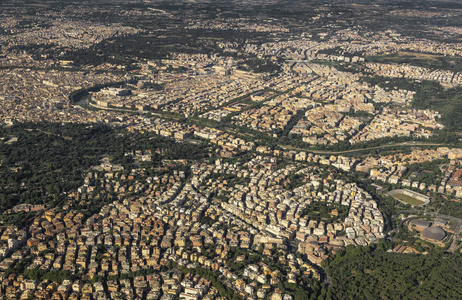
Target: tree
pixel 301 294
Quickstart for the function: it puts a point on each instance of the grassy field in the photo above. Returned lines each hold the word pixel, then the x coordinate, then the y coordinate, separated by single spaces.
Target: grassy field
pixel 407 199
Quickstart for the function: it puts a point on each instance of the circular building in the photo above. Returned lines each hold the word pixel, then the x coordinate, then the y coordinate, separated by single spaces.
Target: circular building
pixel 420 224
pixel 433 233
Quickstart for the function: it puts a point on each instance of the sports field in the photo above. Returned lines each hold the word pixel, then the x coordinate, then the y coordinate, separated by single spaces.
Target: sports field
pixel 407 199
